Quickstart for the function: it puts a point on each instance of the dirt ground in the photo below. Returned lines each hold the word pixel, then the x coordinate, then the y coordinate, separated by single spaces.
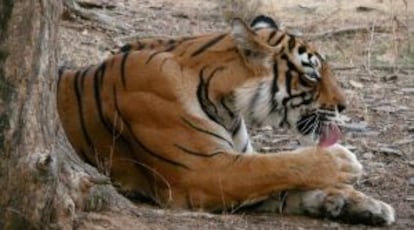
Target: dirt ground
pixel 373 58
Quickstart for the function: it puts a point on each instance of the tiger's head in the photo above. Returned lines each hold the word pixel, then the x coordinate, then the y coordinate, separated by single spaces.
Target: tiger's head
pixel 301 91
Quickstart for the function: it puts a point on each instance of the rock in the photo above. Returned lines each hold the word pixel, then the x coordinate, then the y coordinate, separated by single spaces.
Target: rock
pixel 334 225
pixel 377 165
pixel 366 134
pixel 355 126
pixel 367 156
pixel 410 198
pixel 401 107
pixel 409 90
pixel 411 181
pixel 391 77
pixel 389 151
pixel 266 149
pixel 410 163
pixel 404 141
pixel 364 9
pixel 266 128
pixel 181 15
pixel 385 108
pixel 279 140
pixel 302 8
pixel 410 129
pixel 356 84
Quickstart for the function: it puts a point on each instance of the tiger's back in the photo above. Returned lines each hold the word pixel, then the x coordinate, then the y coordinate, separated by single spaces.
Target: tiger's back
pixel 146 90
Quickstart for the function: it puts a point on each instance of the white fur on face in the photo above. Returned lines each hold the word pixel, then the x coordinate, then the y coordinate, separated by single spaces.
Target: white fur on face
pixel 311 69
pixel 315 61
pixel 244 96
pixel 261 112
pixel 242 138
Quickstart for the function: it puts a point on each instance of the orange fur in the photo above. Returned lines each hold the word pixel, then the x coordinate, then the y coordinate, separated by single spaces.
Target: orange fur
pixel 138 112
pixel 151 107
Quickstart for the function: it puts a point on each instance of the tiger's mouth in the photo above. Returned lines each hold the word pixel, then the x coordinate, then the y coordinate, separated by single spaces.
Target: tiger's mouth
pixel 321 126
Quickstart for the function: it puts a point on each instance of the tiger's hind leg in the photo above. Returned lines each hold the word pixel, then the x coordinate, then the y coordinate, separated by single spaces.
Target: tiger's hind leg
pixel 341 203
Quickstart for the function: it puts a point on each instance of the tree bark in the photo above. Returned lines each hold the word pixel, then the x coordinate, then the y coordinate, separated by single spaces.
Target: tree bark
pixel 43 183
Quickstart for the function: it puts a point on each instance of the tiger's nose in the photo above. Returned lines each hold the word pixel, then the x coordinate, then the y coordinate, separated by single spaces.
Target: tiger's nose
pixel 341 107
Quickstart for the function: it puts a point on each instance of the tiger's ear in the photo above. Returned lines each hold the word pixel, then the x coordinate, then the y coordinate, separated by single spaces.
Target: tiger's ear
pixel 263 21
pixel 249 44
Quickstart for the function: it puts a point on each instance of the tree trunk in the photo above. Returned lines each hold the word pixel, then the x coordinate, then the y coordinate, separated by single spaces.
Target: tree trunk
pixel 43 183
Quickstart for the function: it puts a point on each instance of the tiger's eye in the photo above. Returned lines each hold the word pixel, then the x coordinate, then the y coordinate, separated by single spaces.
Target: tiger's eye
pixel 301 49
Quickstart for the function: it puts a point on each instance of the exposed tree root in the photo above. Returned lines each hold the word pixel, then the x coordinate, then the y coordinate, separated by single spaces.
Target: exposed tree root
pixel 348 30
pixel 107 21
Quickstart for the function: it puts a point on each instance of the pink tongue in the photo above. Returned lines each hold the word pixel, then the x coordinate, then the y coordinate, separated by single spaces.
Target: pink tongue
pixel 330 135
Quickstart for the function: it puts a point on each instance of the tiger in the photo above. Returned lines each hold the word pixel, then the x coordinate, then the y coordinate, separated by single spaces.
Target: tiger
pixel 167 120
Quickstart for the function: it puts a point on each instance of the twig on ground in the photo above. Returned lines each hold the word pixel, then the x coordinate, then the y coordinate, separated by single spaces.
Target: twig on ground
pixel 323 20
pixel 375 67
pixel 370 43
pixel 407 22
pixel 348 30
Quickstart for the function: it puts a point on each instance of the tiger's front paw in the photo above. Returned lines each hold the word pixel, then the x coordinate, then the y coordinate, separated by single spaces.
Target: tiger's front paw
pixel 329 166
pixel 347 161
